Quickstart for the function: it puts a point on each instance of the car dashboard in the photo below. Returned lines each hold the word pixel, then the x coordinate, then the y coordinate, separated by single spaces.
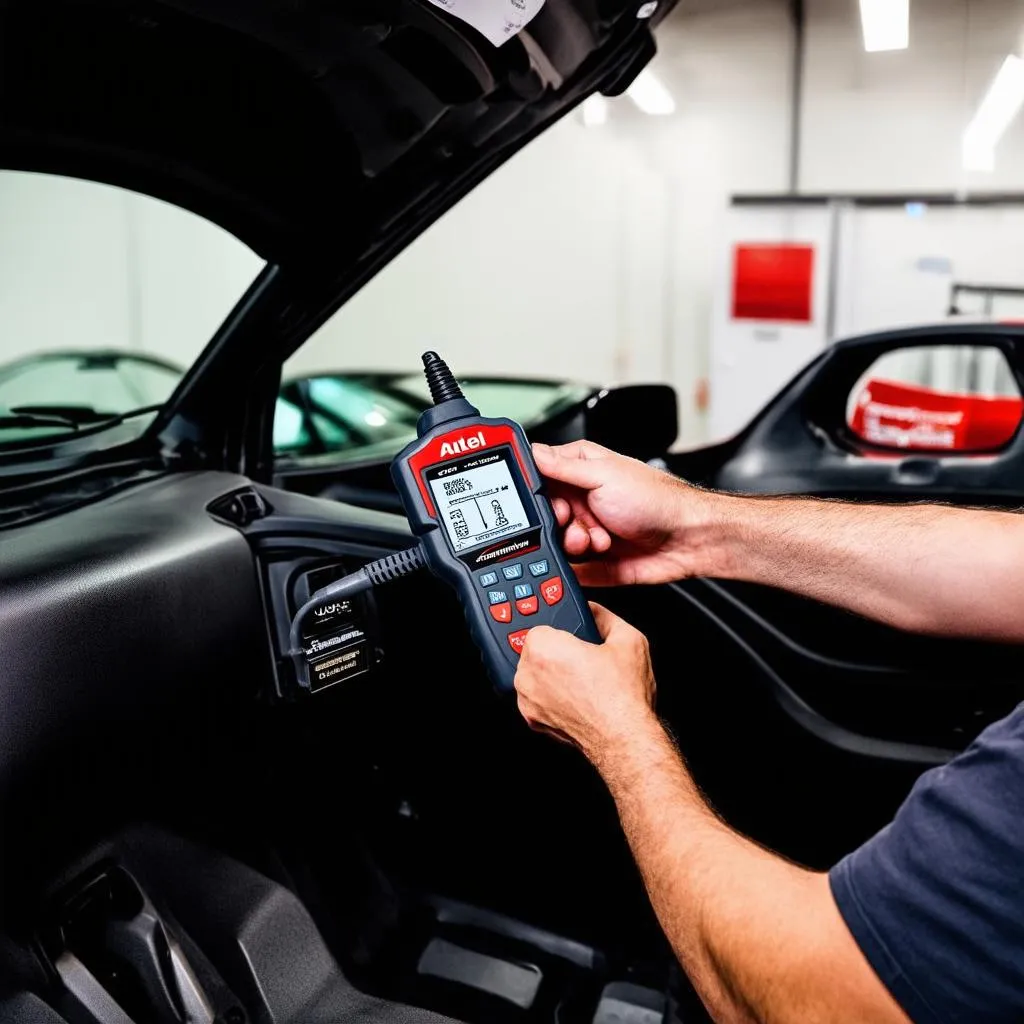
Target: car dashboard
pixel 158 753
pixel 150 706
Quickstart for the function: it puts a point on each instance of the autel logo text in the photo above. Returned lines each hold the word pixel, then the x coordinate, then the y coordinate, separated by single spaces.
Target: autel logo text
pixel 463 444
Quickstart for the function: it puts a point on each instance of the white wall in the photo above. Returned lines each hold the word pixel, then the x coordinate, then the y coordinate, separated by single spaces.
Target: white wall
pixel 187 274
pixel 729 66
pixel 898 270
pixel 893 122
pixel 84 265
pixel 63 266
pixel 752 360
pixel 522 276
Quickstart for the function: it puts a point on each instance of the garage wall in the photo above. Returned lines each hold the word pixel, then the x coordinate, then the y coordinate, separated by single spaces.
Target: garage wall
pixel 887 123
pixel 87 266
pixel 187 274
pixel 896 269
pixel 893 122
pixel 63 266
pixel 729 65
pixel 523 276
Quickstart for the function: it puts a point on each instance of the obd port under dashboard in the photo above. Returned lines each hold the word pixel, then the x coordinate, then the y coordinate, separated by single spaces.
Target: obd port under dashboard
pixel 339 639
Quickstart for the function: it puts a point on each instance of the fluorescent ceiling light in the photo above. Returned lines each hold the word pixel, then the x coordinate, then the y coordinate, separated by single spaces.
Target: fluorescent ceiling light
pixel 1000 106
pixel 648 93
pixel 886 24
pixel 595 111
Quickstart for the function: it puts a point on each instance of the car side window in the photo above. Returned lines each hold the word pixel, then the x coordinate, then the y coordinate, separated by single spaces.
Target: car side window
pixel 299 431
pixel 958 398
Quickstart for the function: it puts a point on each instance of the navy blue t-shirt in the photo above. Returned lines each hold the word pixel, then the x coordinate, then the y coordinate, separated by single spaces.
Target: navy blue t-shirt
pixel 936 899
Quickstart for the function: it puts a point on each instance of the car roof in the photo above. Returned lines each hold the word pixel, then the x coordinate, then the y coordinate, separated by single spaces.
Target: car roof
pixel 967 330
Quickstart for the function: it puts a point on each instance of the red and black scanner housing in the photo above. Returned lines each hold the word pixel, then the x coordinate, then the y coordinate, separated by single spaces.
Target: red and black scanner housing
pixel 508 584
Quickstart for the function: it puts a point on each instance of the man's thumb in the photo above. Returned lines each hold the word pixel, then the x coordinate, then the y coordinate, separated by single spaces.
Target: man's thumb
pixel 603 619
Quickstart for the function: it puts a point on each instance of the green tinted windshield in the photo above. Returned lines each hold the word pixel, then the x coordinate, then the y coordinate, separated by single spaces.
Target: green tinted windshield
pixel 525 401
pixel 374 415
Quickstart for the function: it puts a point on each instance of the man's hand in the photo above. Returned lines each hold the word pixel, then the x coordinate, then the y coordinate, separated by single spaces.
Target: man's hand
pixel 761 939
pixel 922 568
pixel 594 696
pixel 635 524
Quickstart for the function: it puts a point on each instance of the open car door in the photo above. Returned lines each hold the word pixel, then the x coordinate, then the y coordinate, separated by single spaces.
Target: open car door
pixel 830 707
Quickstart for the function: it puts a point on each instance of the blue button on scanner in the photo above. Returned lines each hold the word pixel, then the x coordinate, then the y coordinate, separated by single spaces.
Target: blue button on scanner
pixel 539 568
pixel 488 579
pixel 513 572
pixel 497 596
pixel 523 590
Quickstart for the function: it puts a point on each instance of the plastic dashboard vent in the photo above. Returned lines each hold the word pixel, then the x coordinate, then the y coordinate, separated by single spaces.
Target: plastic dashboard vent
pixel 240 508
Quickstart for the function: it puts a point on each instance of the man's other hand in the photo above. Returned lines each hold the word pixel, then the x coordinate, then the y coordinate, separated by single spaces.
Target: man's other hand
pixel 624 521
pixel 593 696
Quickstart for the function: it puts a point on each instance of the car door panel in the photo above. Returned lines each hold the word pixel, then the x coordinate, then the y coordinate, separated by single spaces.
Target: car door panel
pixel 872 680
pixel 863 675
pixel 863 706
pixel 770 763
pixel 801 442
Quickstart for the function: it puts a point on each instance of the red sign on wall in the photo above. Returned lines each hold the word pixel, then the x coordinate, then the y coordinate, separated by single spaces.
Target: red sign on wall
pixel 773 282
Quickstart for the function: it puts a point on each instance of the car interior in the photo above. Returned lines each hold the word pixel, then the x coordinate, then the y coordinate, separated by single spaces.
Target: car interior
pixel 190 834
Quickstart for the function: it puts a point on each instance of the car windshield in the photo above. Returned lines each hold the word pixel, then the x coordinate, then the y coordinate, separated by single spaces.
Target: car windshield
pixel 336 412
pixel 372 415
pixel 106 297
pixel 526 401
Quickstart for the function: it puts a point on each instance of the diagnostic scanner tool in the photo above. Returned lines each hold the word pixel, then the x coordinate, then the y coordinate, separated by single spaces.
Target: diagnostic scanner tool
pixel 472 494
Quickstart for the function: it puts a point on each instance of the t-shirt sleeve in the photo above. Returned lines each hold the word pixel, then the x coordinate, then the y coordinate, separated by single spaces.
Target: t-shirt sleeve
pixel 936 899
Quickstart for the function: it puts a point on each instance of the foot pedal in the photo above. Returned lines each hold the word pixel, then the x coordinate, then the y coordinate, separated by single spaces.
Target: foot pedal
pixel 517 983
pixel 623 1003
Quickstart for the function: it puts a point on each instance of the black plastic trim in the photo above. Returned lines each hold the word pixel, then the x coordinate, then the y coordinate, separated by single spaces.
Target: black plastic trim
pixel 810 720
pixel 880 200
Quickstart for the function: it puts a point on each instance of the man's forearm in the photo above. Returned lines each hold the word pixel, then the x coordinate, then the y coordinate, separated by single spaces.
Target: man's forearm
pixel 761 939
pixel 925 568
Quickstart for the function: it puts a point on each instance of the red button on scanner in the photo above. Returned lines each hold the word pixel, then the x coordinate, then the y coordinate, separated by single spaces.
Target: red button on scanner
pixel 517 640
pixel 501 612
pixel 551 590
pixel 527 606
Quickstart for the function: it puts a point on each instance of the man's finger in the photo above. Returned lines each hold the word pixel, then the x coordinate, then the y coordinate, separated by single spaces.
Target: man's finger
pixel 582 449
pixel 562 510
pixel 570 505
pixel 600 539
pixel 579 507
pixel 600 574
pixel 578 463
pixel 576 540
